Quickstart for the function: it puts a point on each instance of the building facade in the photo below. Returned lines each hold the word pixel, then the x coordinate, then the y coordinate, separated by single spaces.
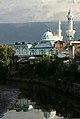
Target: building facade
pixel 45 46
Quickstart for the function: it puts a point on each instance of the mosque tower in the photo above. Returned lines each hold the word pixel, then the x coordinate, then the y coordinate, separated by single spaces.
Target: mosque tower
pixel 70 32
pixel 59 30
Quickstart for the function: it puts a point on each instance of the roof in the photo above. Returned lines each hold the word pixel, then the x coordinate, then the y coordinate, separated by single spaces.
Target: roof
pixel 20 45
pixel 55 35
pixel 45 44
pixel 47 36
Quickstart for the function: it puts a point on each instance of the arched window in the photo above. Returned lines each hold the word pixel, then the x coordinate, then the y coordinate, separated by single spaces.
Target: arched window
pixel 32 52
pixel 41 52
pixel 24 51
pixel 51 51
pixel 17 51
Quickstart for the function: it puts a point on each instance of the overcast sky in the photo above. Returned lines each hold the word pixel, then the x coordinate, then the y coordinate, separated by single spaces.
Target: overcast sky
pixel 22 11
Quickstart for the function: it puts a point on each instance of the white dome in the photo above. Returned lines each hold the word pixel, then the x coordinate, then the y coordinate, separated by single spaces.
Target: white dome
pixel 47 36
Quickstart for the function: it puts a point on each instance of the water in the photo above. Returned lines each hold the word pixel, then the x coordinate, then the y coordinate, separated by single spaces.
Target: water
pixel 34 101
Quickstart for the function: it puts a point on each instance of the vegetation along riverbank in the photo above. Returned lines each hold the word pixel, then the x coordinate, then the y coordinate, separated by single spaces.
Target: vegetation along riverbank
pixel 49 70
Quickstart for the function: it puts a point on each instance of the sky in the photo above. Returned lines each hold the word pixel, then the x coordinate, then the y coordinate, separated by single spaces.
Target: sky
pixel 23 11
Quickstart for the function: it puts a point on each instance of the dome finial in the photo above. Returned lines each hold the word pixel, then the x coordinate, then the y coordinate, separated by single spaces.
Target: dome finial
pixel 48 29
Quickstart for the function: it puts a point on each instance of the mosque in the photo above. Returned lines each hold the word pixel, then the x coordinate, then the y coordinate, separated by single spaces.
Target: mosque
pixel 49 44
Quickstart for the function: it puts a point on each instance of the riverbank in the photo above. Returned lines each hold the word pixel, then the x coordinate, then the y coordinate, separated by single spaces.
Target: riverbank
pixel 73 89
pixel 53 73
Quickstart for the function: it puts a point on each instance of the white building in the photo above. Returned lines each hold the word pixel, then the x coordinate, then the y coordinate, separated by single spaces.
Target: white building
pixel 22 49
pixel 74 48
pixel 70 31
pixel 45 46
pixel 73 44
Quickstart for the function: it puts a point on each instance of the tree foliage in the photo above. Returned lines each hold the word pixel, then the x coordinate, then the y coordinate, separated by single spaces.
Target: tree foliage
pixel 6 55
pixel 56 69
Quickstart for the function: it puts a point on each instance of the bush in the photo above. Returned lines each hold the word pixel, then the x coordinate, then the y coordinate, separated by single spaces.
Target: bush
pixel 3 71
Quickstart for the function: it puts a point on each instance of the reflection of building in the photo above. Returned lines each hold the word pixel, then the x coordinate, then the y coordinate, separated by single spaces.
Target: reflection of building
pixel 50 115
pixel 22 104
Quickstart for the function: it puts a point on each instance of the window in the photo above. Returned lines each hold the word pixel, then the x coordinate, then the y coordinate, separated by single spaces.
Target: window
pixel 17 51
pixel 32 52
pixel 24 51
pixel 41 52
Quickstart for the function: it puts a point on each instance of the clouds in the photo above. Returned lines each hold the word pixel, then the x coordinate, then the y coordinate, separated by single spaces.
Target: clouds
pixel 68 1
pixel 20 11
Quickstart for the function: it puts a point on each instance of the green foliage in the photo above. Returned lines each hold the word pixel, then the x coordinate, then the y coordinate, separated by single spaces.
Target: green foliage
pixel 3 71
pixel 10 52
pixel 72 69
pixel 6 53
pixel 77 56
pixel 46 68
pixel 56 69
pixel 42 66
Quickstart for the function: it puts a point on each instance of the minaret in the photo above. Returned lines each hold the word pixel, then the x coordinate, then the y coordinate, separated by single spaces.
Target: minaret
pixel 70 32
pixel 59 30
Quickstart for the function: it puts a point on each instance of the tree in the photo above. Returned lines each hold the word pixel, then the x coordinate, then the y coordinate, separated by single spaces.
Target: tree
pixel 6 55
pixel 42 66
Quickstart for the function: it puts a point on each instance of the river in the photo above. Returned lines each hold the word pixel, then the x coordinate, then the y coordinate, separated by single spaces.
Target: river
pixel 35 101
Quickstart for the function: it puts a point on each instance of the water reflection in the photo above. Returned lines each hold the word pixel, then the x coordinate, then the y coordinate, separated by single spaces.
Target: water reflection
pixel 7 95
pixel 22 104
pixel 47 100
pixel 37 98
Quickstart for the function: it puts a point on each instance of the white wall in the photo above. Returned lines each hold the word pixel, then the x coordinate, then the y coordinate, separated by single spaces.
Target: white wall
pixel 21 51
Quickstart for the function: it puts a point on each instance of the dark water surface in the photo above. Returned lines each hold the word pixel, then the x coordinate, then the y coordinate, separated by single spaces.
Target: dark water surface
pixel 34 101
